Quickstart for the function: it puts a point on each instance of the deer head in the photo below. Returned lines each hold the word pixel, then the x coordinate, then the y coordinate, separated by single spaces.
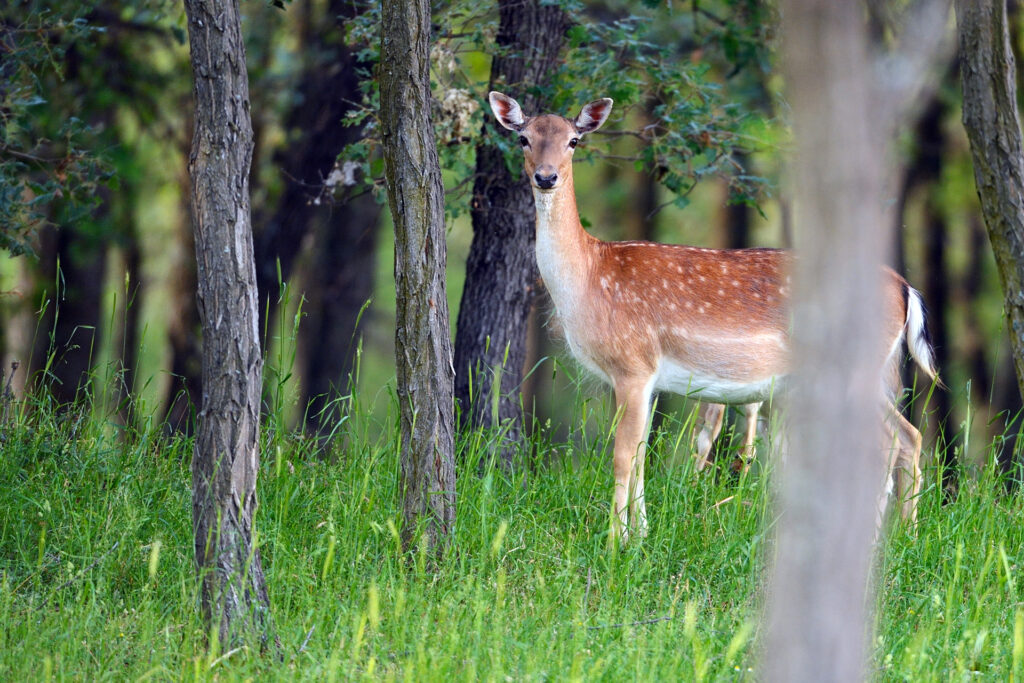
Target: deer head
pixel 548 141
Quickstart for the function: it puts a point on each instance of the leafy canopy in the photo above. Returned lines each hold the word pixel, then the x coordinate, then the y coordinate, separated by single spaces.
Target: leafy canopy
pixel 687 83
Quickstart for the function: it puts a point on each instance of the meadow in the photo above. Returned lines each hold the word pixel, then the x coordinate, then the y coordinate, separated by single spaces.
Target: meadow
pixel 97 580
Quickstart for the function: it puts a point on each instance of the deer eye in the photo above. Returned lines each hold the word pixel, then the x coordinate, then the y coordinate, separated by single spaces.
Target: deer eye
pixel 574 142
pixel 523 141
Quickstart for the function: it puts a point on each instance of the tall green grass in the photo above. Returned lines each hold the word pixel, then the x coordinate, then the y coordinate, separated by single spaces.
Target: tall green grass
pixel 97 580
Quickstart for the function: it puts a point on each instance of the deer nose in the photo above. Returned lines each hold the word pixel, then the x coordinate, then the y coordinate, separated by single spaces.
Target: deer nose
pixel 545 181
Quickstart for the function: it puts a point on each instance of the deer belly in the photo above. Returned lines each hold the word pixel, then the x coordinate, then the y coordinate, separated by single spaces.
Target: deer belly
pixel 707 386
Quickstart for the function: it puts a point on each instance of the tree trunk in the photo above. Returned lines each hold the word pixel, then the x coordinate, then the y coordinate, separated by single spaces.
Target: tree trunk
pixel 328 85
pixel 833 475
pixel 738 216
pixel 226 459
pixel 1007 407
pixel 991 119
pixel 340 280
pixel 339 284
pixel 422 346
pixel 73 262
pixel 973 338
pixel 185 389
pixel 501 271
pixel 127 338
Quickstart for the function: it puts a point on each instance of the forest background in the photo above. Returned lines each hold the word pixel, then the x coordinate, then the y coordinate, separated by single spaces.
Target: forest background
pixel 97 285
pixel 101 351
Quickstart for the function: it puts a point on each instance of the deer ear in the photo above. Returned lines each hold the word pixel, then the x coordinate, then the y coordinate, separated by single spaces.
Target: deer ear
pixel 593 115
pixel 507 111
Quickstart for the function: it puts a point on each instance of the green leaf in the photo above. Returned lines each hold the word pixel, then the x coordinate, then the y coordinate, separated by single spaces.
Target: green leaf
pixel 377 168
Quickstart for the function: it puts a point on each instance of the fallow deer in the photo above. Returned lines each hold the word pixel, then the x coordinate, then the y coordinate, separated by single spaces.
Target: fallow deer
pixel 707 323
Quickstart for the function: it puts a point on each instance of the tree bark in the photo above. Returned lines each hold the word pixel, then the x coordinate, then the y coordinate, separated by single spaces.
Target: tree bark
pixel 501 271
pixel 833 475
pixel 422 345
pixel 990 116
pixel 226 458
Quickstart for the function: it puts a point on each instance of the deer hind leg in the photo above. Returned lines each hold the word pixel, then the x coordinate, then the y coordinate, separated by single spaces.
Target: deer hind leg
pixel 633 400
pixel 903 467
pixel 908 468
pixel 747 452
pixel 709 425
pixel 883 498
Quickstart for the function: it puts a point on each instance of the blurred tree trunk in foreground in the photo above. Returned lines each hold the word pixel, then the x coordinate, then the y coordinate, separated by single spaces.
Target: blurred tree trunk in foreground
pixel 501 271
pixel 845 113
pixel 988 73
pixel 816 605
pixel 226 459
pixel 423 353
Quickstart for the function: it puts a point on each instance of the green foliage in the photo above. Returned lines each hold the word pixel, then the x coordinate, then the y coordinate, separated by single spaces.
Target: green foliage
pixel 40 164
pixel 684 83
pixel 689 123
pixel 97 578
pixel 67 68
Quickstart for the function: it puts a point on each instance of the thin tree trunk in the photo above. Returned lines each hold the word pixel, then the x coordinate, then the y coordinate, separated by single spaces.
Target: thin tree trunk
pixel 973 340
pixel 339 285
pixel 501 271
pixel 1006 404
pixel 936 293
pixel 422 347
pixel 328 85
pixel 127 348
pixel 73 266
pixel 226 459
pixel 738 216
pixel 185 389
pixel 19 324
pixel 344 233
pixel 990 116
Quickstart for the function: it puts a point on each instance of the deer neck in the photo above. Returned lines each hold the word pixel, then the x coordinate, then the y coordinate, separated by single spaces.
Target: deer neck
pixel 564 249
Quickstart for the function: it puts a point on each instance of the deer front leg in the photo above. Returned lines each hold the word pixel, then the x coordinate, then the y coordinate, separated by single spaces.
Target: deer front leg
pixel 632 399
